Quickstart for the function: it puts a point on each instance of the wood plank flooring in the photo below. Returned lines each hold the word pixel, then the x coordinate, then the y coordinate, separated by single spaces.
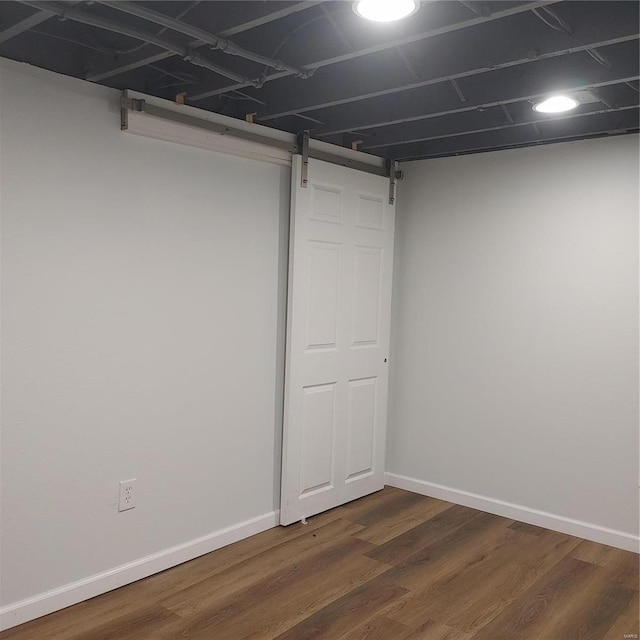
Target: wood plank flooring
pixel 391 566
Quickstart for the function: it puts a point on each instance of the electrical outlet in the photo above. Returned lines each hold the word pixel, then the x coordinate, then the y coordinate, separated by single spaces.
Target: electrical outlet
pixel 127 496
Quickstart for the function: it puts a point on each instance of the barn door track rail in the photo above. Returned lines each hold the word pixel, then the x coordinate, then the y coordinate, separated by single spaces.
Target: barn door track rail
pixel 301 144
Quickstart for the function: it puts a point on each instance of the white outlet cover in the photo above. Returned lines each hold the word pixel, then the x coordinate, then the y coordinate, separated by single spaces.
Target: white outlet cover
pixel 127 495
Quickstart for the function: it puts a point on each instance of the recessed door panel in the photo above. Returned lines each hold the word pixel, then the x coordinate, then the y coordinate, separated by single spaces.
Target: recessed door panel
pixel 361 428
pixel 366 295
pixel 322 294
pixel 370 212
pixel 318 426
pixel 326 203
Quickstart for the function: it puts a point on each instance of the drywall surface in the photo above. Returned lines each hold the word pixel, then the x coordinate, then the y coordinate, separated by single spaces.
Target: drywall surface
pixel 142 324
pixel 515 347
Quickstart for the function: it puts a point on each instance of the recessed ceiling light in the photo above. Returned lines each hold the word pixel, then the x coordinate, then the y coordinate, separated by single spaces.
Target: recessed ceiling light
pixel 555 104
pixel 385 10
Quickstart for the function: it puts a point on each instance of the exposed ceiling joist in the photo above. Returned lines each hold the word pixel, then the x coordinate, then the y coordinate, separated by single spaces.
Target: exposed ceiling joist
pixel 456 77
pixel 389 44
pixel 386 140
pixel 104 74
pixel 504 86
pixel 599 29
pixel 175 48
pixel 214 41
pixel 550 131
pixel 454 128
pixel 24 25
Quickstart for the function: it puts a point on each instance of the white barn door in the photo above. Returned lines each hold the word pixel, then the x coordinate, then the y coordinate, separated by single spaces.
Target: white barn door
pixel 335 413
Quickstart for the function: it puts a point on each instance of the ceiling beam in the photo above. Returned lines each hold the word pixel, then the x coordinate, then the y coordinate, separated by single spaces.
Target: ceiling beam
pixel 24 25
pixel 459 128
pixel 214 41
pixel 415 130
pixel 449 60
pixel 292 8
pixel 503 86
pixel 551 131
pixel 98 75
pixel 147 37
pixel 386 45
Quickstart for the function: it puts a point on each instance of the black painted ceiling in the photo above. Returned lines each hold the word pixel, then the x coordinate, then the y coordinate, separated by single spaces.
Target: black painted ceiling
pixel 456 77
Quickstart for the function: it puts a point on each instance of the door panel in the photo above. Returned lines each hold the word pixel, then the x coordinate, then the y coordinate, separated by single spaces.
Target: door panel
pixel 366 296
pixel 360 434
pixel 336 382
pixel 322 294
pixel 318 427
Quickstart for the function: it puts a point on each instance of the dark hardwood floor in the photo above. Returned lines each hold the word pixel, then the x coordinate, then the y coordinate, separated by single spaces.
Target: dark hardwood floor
pixel 391 566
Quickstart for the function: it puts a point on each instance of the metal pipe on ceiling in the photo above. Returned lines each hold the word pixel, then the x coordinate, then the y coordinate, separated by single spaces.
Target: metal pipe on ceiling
pixel 216 42
pixel 390 44
pixel 139 47
pixel 560 24
pixel 95 21
pixel 347 99
pixel 96 76
pixel 599 58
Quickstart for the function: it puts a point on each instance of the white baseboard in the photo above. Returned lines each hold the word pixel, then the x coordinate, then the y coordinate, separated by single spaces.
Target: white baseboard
pixel 577 528
pixel 69 594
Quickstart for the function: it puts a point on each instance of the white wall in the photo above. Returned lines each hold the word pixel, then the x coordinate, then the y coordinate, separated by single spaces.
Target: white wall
pixel 142 302
pixel 142 334
pixel 515 360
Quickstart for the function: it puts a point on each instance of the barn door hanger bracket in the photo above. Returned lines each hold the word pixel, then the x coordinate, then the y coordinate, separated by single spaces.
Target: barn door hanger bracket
pixel 128 104
pixel 303 150
pixel 394 174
